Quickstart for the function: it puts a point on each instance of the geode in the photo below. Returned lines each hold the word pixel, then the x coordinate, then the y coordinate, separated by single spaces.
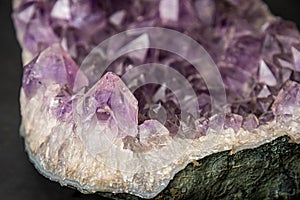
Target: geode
pixel 184 79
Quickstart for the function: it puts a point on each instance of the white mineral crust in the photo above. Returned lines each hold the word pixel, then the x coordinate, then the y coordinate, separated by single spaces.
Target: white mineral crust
pixel 59 152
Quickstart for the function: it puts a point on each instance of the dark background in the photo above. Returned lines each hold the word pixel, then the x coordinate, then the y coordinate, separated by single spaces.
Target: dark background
pixel 18 177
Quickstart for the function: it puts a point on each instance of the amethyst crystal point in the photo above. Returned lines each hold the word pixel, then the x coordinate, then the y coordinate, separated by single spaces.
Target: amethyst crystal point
pixel 113 105
pixel 33 27
pixel 287 101
pixel 153 135
pixel 52 66
pixel 233 121
pixel 100 135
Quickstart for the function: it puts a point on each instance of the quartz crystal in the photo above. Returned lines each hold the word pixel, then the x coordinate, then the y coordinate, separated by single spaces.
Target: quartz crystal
pixel 101 136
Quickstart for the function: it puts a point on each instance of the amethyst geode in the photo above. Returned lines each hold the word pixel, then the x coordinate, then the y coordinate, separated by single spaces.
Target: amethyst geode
pixel 101 136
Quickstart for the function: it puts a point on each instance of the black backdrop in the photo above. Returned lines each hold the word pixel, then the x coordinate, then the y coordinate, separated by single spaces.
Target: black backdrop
pixel 18 177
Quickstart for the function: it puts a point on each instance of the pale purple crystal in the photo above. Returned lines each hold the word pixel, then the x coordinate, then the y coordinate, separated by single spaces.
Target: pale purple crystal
pixel 93 135
pixel 287 99
pixel 233 121
pixel 252 50
pixel 33 24
pixel 110 100
pixel 52 66
pixel 250 122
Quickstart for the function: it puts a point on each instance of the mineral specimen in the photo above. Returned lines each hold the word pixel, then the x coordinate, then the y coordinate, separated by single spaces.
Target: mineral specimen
pixel 98 134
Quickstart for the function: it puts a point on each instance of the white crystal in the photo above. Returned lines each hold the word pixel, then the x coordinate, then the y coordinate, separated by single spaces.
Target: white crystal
pixel 117 17
pixel 61 10
pixel 141 43
pixel 169 10
pixel 264 93
pixel 265 74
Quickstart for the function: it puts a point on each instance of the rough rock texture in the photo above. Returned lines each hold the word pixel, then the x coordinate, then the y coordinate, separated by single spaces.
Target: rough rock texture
pixel 271 171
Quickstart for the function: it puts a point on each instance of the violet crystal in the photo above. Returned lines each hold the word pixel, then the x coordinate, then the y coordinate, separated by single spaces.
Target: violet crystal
pixel 104 137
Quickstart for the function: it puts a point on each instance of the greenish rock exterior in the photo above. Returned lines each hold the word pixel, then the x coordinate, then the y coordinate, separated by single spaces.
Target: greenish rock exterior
pixel 271 171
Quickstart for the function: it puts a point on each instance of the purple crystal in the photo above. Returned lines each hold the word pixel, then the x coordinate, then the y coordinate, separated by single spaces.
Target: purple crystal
pixel 287 99
pixel 233 121
pixel 52 66
pixel 105 121
pixel 110 100
pixel 153 133
pixel 253 51
pixel 250 122
pixel 33 26
pixel 201 126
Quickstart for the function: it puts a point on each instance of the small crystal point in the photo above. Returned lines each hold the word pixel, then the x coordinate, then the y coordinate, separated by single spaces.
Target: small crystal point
pixel 169 10
pixel 61 10
pixel 117 18
pixel 250 122
pixel 265 74
pixel 233 121
pixel 265 92
pixel 150 129
pixel 296 57
pixel 287 101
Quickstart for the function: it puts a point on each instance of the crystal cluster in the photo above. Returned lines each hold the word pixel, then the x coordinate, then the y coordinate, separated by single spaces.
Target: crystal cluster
pixel 111 128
